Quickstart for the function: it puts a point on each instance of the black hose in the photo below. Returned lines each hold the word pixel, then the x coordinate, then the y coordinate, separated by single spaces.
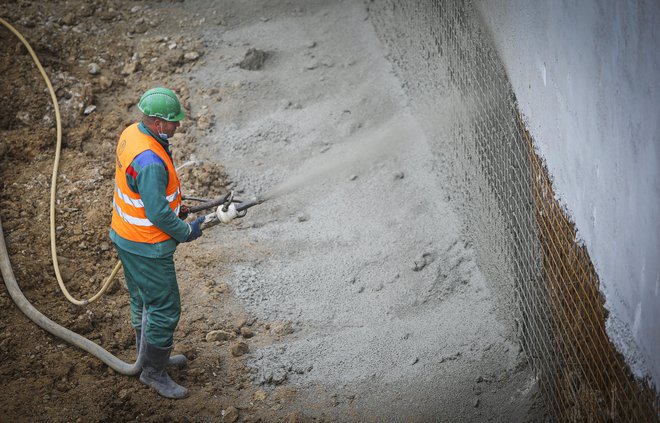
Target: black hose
pixel 209 205
pixel 247 204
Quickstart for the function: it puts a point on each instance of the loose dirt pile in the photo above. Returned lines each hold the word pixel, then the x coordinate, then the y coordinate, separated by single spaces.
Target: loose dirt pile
pixel 100 58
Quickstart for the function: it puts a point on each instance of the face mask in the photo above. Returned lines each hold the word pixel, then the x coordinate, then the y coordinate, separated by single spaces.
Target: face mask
pixel 163 136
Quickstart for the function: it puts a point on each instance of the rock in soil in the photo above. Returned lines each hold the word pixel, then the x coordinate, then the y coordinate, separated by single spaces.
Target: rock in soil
pixel 230 415
pixel 239 349
pixel 254 59
pixel 93 69
pixel 246 332
pixel 218 335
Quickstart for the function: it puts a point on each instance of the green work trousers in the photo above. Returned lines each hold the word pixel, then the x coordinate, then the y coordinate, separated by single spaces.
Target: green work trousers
pixel 152 285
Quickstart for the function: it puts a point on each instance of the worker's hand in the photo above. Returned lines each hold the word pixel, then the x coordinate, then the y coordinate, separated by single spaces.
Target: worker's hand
pixel 195 229
pixel 183 212
pixel 230 214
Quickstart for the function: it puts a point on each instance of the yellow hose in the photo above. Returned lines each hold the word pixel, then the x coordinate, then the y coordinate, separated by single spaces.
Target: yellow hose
pixel 53 186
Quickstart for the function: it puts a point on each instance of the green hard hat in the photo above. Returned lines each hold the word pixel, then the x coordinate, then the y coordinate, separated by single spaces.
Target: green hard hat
pixel 161 103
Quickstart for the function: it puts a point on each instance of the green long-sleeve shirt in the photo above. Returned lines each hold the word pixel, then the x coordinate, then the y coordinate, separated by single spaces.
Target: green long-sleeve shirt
pixel 151 183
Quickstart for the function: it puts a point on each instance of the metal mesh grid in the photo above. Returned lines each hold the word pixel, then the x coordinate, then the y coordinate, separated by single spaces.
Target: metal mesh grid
pixel 585 377
pixel 526 244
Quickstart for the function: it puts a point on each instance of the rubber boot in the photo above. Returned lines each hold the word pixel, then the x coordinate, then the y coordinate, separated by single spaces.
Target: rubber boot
pixel 178 361
pixel 154 374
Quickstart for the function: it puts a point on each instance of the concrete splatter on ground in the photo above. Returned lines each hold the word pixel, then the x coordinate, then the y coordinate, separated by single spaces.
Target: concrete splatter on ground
pixel 388 315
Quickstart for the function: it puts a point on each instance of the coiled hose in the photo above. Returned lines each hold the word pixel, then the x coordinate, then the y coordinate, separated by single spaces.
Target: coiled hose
pixel 8 274
pixel 53 183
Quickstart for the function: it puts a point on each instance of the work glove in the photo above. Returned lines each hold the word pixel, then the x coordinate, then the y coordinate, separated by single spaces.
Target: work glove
pixel 195 229
pixel 230 214
pixel 184 211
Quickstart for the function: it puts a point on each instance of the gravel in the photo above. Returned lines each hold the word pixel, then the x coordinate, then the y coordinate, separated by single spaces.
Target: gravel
pixel 369 270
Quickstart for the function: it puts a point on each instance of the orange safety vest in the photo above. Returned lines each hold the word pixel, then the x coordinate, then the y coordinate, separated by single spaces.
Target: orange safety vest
pixel 129 219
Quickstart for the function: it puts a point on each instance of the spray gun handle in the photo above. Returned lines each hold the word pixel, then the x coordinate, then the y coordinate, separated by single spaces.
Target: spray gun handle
pixel 210 220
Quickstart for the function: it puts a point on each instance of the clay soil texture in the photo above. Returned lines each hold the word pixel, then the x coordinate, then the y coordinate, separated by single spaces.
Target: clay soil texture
pixel 100 57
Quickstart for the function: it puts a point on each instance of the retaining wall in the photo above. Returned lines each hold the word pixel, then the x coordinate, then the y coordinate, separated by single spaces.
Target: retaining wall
pixel 526 243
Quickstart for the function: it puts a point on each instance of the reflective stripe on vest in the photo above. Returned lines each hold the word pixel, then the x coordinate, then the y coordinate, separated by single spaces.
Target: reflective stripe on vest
pixel 136 202
pixel 129 219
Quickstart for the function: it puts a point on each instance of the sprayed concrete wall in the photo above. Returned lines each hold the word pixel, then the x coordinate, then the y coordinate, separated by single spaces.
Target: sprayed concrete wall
pixel 586 78
pixel 522 228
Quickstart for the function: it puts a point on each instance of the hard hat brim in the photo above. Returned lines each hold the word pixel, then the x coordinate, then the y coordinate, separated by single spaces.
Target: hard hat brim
pixel 178 117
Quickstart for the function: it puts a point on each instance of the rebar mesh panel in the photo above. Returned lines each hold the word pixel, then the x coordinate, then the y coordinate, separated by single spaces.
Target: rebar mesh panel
pixel 526 245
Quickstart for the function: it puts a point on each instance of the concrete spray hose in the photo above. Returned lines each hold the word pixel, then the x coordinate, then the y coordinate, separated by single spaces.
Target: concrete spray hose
pixel 8 275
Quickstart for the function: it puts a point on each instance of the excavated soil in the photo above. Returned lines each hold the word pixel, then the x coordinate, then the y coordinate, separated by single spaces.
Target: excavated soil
pixel 102 54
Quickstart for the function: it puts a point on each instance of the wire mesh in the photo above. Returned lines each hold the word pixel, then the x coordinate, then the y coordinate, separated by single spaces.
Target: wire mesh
pixel 525 242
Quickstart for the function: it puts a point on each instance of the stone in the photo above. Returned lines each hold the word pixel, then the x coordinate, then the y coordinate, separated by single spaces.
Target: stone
pixel 239 322
pixel 86 10
pixel 93 69
pixel 246 332
pixel 239 349
pixel 140 26
pixel 89 109
pixel 421 262
pixel 254 59
pixel 399 175
pixel 107 15
pixel 191 56
pixel 218 335
pixel 205 121
pixel 283 329
pixel 303 217
pixel 24 117
pixel 173 57
pixel 130 68
pixel 230 414
pixel 259 395
pixel 105 82
pixel 69 19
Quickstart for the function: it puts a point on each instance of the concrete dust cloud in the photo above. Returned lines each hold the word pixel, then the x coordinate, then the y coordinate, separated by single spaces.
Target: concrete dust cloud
pixel 358 150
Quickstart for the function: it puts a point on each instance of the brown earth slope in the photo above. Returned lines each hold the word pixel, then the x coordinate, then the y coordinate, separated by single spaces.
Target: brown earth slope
pixel 100 58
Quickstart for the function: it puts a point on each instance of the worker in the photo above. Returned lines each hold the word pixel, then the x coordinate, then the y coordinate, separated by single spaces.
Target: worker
pixel 147 225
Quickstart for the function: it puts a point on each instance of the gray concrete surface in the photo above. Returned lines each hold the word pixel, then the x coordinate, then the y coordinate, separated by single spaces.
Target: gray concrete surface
pixel 391 317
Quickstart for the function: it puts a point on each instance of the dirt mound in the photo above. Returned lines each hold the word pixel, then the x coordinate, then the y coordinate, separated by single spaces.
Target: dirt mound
pixel 100 57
